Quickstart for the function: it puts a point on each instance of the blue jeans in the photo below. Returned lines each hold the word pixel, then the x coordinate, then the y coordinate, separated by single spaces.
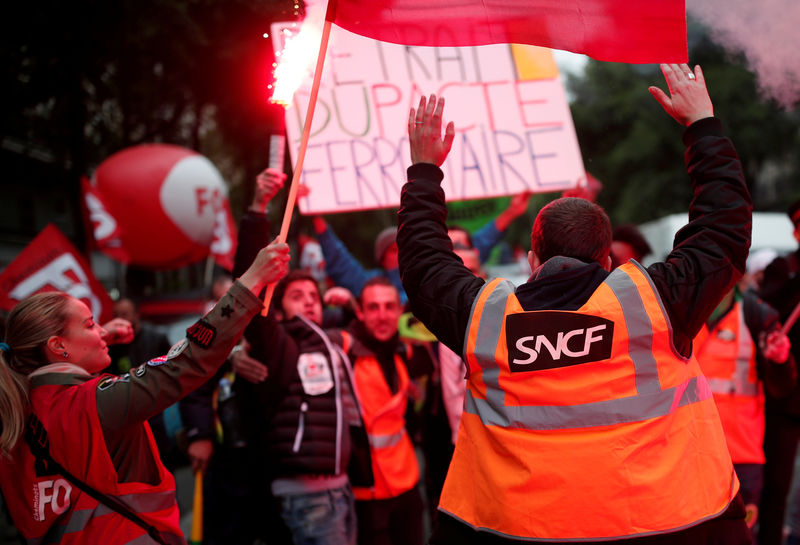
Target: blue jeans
pixel 321 518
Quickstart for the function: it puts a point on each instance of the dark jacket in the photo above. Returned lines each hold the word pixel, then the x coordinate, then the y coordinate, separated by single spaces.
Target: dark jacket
pixel 297 420
pixel 300 425
pixel 708 257
pixel 781 289
pixel 706 261
pixel 779 378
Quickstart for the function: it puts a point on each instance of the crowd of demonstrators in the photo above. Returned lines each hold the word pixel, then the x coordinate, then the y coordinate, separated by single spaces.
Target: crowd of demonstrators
pixel 301 419
pixel 347 272
pixel 79 462
pixel 780 287
pixel 487 237
pixel 579 453
pixel 318 413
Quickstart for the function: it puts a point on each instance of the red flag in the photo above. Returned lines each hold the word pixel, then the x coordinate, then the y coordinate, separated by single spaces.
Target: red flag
pixel 50 262
pixel 105 230
pixel 652 31
pixel 223 245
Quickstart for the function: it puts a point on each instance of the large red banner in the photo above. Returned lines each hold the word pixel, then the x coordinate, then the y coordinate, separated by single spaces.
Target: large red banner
pixel 51 263
pixel 651 31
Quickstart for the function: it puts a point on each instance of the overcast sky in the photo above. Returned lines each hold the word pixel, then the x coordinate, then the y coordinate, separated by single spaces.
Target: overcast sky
pixel 569 62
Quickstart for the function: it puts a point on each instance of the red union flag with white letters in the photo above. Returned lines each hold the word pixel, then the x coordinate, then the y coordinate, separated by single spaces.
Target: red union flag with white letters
pixel 51 263
pixel 607 30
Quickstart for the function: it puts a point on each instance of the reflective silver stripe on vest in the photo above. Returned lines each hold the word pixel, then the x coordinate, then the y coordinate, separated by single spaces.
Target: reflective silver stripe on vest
pixel 486 341
pixel 744 357
pixel 385 441
pixel 651 401
pixel 640 331
pixel 739 382
pixel 141 504
pixel 599 413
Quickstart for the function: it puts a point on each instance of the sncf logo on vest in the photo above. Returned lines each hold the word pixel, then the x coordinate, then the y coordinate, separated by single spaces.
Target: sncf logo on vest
pixel 551 339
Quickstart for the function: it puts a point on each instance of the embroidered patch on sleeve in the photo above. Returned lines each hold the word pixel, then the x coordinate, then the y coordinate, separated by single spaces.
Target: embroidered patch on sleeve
pixel 177 349
pixel 106 383
pixel 201 333
pixel 158 361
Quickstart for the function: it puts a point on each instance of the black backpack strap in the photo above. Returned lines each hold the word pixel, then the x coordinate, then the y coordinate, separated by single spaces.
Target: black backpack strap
pixel 36 437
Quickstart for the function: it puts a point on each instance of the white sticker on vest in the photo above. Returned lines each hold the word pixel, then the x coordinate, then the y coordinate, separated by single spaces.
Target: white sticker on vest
pixel 315 374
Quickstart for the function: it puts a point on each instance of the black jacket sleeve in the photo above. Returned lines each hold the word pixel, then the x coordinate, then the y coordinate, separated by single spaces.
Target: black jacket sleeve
pixel 440 288
pixel 707 259
pixel 269 342
pixel 709 253
pixel 253 235
pixel 779 378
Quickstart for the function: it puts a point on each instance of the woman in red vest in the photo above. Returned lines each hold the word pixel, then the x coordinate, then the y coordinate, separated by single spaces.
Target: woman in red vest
pixel 88 470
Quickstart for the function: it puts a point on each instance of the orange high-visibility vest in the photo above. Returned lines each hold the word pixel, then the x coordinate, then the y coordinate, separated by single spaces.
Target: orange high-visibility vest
pixel 584 425
pixel 47 508
pixel 394 462
pixel 727 355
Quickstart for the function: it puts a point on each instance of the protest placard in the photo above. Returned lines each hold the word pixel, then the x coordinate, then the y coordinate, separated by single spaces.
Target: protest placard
pixel 514 131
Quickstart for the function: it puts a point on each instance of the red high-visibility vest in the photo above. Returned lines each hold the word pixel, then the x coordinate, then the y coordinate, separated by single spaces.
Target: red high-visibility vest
pixel 47 508
pixel 584 425
pixel 727 355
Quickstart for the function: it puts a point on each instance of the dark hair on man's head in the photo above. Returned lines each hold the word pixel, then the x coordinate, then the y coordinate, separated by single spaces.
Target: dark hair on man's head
pixel 376 281
pixel 572 227
pixel 280 288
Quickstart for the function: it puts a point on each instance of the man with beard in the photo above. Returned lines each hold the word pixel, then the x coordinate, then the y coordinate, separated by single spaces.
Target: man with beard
pixel 389 511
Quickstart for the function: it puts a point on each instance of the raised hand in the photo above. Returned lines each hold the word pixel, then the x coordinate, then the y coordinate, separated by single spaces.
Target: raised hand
pixel 270 265
pixel 338 296
pixel 425 132
pixel 776 346
pixel 688 101
pixel 118 331
pixel 517 207
pixel 268 183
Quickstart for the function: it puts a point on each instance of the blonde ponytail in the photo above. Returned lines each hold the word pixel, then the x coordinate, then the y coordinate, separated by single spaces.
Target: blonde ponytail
pixel 28 327
pixel 13 406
